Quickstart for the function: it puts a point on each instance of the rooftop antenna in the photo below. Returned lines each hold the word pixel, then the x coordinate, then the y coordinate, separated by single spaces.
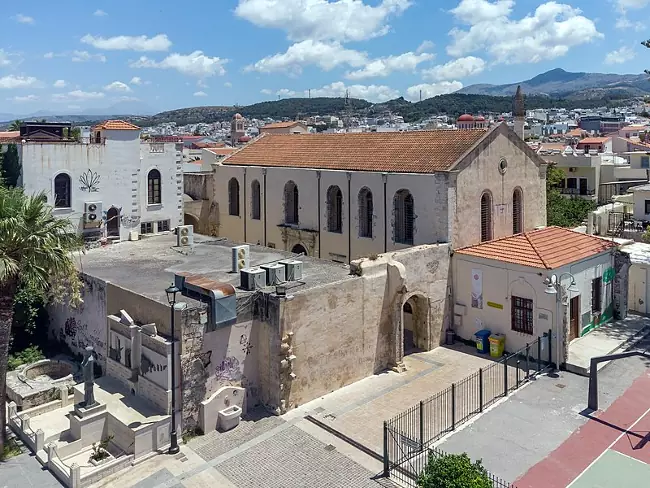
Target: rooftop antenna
pixel 420 95
pixel 309 95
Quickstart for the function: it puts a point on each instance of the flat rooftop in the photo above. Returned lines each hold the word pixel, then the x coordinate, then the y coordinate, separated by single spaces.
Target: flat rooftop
pixel 147 266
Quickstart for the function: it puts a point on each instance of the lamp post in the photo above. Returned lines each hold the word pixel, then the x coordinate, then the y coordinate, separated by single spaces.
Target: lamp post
pixel 171 297
pixel 554 287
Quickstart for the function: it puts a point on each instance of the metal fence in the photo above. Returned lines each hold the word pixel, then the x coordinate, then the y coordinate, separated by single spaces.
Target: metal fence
pixel 408 435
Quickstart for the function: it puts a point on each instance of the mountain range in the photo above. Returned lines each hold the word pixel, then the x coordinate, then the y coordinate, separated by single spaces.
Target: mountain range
pixel 575 86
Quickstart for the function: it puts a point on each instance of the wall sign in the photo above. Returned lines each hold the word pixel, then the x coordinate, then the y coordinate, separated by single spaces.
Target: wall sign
pixel 495 305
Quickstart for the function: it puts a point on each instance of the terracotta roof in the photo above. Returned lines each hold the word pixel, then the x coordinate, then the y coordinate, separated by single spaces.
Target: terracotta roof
pixel 548 248
pixel 594 140
pixel 116 125
pixel 576 132
pixel 399 152
pixel 281 125
pixel 10 136
pixel 466 118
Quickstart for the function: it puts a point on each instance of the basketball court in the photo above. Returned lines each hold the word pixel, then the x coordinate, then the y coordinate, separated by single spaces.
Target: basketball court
pixel 611 450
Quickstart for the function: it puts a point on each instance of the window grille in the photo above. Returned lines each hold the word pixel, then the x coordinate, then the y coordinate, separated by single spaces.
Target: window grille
pixel 62 191
pixel 517 215
pixel 290 203
pixel 334 209
pixel 153 190
pixel 404 217
pixel 486 217
pixel 522 315
pixel 365 213
pixel 233 197
pixel 256 197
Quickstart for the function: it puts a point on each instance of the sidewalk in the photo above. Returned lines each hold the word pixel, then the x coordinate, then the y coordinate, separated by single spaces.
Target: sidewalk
pixel 604 340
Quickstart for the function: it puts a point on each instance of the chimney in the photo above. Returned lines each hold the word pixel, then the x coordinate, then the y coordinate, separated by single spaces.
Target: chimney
pixel 519 112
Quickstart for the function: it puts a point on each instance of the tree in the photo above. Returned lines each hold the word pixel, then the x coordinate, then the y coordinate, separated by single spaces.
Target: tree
pixel 564 211
pixel 453 471
pixel 646 44
pixel 15 125
pixel 37 251
pixel 11 166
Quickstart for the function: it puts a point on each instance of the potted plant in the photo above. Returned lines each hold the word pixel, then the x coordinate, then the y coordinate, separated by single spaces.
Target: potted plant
pixel 100 451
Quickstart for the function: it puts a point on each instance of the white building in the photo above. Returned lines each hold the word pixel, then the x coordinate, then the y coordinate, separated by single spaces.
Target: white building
pixel 110 184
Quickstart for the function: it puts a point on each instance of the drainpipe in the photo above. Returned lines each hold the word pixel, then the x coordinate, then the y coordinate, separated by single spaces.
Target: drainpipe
pixel 244 213
pixel 264 184
pixel 384 178
pixel 319 229
pixel 349 218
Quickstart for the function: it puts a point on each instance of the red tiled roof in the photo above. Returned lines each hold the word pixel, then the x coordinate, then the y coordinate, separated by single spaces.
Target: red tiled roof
pixel 116 125
pixel 281 125
pixel 10 136
pixel 594 140
pixel 548 248
pixel 400 152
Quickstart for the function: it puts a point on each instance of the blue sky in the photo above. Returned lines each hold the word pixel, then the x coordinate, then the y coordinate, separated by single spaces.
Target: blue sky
pixel 69 57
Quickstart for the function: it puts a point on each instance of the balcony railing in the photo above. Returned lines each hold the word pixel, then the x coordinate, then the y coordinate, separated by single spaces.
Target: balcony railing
pixel 577 191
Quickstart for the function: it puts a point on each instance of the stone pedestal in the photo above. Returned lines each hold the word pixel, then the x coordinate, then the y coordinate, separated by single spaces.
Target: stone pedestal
pixel 88 424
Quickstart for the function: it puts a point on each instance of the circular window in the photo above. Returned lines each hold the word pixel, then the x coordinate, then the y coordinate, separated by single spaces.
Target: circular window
pixel 503 166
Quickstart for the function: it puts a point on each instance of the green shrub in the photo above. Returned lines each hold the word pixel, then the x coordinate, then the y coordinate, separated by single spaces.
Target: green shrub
pixel 453 471
pixel 26 356
pixel 11 449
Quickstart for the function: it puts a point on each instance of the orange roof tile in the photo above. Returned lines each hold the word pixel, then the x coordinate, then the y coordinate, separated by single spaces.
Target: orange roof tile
pixel 116 125
pixel 281 125
pixel 594 140
pixel 10 136
pixel 548 248
pixel 403 152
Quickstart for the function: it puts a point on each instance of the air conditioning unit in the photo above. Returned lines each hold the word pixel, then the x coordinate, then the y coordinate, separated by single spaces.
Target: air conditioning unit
pixel 185 235
pixel 240 257
pixel 293 269
pixel 92 213
pixel 252 279
pixel 274 274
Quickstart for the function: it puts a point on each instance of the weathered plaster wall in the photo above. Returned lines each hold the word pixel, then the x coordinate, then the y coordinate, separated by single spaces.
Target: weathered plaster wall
pixel 84 325
pixel 482 174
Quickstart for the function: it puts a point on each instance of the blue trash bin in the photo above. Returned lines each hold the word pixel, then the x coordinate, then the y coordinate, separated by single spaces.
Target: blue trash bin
pixel 482 338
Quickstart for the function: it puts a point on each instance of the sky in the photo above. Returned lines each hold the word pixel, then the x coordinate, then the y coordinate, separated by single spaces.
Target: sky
pixel 72 56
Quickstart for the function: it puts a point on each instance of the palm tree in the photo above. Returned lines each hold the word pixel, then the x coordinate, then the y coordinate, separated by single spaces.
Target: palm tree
pixel 36 250
pixel 15 125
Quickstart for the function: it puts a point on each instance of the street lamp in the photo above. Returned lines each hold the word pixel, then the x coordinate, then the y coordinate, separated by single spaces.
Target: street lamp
pixel 553 285
pixel 171 297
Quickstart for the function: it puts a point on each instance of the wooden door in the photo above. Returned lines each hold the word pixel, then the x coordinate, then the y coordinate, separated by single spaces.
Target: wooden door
pixel 574 313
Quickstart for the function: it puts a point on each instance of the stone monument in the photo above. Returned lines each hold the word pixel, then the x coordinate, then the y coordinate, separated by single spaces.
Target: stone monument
pixel 88 366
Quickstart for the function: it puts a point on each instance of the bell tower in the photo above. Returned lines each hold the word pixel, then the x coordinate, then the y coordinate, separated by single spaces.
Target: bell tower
pixel 519 112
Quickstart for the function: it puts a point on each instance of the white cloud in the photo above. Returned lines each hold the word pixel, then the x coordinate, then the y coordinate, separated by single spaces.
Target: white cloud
pixel 10 82
pixel 77 95
pixel 83 56
pixel 136 80
pixel 200 94
pixel 286 93
pixel 59 84
pixel 340 20
pixel 23 19
pixel 266 91
pixel 202 84
pixel 127 99
pixel 372 93
pixel 4 58
pixel 193 64
pixel 227 84
pixel 117 86
pixel 382 67
pixel 425 47
pixel 26 98
pixel 456 69
pixel 624 23
pixel 49 55
pixel 548 33
pixel 619 56
pixel 325 55
pixel 100 13
pixel 432 89
pixel 625 5
pixel 129 43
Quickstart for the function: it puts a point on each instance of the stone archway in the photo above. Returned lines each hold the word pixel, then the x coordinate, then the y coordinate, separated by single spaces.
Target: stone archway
pixel 415 324
pixel 113 222
pixel 189 219
pixel 299 249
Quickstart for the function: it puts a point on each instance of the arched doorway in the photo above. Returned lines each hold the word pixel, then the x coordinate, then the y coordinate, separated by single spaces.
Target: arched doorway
pixel 415 312
pixel 113 222
pixel 189 219
pixel 299 249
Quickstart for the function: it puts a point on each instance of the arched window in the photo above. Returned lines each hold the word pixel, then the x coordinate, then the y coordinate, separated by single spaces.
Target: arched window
pixel 62 191
pixel 233 197
pixel 153 187
pixel 334 209
pixel 256 197
pixel 486 217
pixel 365 212
pixel 404 217
pixel 290 203
pixel 517 212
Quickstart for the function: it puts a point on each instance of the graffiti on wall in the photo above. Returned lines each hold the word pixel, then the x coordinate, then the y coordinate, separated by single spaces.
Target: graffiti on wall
pixel 89 181
pixel 228 369
pixel 246 345
pixel 78 336
pixel 147 366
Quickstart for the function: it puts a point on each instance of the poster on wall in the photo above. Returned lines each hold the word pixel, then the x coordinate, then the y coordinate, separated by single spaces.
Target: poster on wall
pixel 477 288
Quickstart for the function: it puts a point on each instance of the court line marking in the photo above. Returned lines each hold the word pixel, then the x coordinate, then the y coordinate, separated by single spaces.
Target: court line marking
pixel 627 431
pixel 630 457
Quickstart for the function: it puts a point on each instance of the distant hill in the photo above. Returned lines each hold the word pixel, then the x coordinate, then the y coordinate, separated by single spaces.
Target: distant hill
pixel 574 86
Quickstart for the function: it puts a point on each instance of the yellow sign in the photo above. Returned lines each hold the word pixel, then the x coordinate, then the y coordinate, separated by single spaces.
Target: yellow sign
pixel 495 305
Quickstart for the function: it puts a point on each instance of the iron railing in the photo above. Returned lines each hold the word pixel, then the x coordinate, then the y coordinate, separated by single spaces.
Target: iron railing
pixel 408 435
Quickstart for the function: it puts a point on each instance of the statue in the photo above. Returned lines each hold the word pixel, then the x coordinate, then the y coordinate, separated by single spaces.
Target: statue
pixel 88 366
